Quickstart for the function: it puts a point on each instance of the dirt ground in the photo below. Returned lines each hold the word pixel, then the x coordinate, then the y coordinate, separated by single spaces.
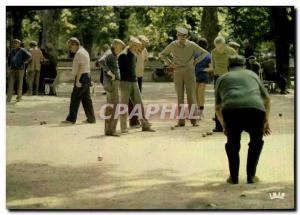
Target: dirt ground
pixel 54 166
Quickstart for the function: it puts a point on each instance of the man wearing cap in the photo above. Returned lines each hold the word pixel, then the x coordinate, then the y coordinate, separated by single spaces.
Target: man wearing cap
pixel 142 59
pixel 253 65
pixel 220 55
pixel 111 78
pixel 235 46
pixel 81 90
pixel 129 86
pixel 17 59
pixel 242 104
pixel 34 68
pixel 183 63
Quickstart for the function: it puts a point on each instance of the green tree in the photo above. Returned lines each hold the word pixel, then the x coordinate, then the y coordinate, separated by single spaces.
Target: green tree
pixel 93 25
pixel 252 23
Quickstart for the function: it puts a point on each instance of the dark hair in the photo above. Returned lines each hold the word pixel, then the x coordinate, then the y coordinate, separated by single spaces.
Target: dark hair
pixel 236 60
pixel 203 43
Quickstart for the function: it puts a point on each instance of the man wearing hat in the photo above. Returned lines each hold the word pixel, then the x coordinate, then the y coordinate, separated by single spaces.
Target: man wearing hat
pixel 111 78
pixel 235 46
pixel 253 65
pixel 129 86
pixel 142 59
pixel 220 55
pixel 34 68
pixel 183 63
pixel 17 59
pixel 81 90
pixel 242 104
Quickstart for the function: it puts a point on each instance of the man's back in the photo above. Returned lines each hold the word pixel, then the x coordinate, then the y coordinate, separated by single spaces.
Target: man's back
pixel 240 88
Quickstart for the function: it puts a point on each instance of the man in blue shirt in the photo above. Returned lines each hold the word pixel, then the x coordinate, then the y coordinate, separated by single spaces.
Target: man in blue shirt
pixel 201 71
pixel 17 59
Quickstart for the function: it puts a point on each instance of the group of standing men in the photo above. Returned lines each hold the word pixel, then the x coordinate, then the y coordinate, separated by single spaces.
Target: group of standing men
pixel 242 103
pixel 119 65
pixel 31 62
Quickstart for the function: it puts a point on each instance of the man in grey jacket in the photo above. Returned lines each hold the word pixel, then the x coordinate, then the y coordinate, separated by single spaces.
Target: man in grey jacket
pixel 111 77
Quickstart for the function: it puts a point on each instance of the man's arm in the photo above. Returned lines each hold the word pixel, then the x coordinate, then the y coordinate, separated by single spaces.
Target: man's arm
pixel 267 104
pixel 202 51
pixel 102 62
pixel 27 57
pixel 76 69
pixel 165 53
pixel 218 107
pixel 213 63
pixel 146 57
pixel 112 65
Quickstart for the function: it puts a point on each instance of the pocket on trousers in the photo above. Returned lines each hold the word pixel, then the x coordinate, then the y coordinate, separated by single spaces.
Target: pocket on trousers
pixel 107 84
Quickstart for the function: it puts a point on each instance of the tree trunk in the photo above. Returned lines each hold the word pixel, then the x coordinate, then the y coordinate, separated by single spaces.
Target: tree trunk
pixel 50 25
pixel 123 14
pixel 17 17
pixel 282 31
pixel 87 41
pixel 210 25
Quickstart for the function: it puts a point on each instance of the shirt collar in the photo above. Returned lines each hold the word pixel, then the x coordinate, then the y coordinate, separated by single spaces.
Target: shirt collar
pixel 182 45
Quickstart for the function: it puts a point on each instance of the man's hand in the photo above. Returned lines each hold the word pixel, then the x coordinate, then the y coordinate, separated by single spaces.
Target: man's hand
pixel 224 128
pixel 267 130
pixel 78 84
pixel 112 75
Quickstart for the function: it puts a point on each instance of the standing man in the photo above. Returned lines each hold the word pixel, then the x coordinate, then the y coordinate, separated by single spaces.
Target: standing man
pixel 111 78
pixel 235 46
pixel 242 104
pixel 142 59
pixel 183 63
pixel 220 55
pixel 17 59
pixel 81 90
pixel 254 66
pixel 34 68
pixel 129 86
pixel 201 71
pixel 248 49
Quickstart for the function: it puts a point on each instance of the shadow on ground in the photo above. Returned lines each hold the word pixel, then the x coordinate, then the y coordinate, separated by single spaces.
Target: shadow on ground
pixel 41 186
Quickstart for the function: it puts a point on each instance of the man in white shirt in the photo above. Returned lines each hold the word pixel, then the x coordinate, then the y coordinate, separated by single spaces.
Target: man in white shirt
pixel 81 90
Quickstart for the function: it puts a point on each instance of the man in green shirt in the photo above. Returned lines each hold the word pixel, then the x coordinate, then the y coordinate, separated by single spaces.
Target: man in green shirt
pixel 182 61
pixel 242 104
pixel 219 59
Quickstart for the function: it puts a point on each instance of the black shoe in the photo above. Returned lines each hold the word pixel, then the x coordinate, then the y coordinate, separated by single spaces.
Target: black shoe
pixel 113 134
pixel 179 125
pixel 148 129
pixel 217 130
pixel 67 122
pixel 88 122
pixel 232 181
pixel 252 180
